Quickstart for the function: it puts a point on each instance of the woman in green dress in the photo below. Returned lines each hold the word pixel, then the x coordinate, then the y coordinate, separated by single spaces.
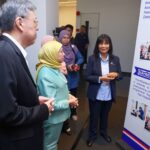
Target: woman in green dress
pixel 52 83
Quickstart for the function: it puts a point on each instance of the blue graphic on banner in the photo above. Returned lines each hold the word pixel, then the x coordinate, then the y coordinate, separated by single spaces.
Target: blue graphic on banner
pixel 142 73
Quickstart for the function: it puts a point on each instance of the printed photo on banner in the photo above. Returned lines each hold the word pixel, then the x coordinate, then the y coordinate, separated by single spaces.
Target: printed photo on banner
pixel 145 51
pixel 138 110
pixel 147 120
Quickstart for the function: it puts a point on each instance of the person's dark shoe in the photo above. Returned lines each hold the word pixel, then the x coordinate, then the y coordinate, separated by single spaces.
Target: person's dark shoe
pixel 89 143
pixel 106 137
pixel 68 131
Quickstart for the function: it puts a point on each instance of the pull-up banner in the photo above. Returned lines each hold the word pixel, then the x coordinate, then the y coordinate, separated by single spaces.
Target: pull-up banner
pixel 136 130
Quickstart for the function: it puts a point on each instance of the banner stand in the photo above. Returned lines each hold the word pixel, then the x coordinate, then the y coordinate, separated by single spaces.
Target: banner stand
pixel 136 131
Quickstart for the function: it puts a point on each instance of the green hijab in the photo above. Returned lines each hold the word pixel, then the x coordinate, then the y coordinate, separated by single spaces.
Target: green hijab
pixel 48 55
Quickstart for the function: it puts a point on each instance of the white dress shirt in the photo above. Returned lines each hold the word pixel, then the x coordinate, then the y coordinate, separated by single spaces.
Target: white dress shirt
pixel 24 53
pixel 104 92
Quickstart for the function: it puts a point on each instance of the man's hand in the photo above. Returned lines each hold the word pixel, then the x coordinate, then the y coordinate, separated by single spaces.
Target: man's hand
pixel 43 99
pixel 48 101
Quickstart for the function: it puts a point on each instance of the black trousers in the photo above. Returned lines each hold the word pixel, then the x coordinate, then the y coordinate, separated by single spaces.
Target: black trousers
pixel 74 93
pixel 99 111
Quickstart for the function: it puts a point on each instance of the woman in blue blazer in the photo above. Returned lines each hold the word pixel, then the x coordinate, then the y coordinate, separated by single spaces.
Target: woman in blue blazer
pixel 103 69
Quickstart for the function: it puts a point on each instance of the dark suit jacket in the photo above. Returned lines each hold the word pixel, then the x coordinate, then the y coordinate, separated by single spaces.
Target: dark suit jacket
pixel 21 116
pixel 93 72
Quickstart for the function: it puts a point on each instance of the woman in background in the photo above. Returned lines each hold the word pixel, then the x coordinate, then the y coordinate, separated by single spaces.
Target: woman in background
pixel 52 83
pixel 103 69
pixel 73 60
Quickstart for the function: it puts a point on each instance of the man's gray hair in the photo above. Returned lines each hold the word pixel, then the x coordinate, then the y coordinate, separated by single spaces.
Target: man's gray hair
pixel 12 9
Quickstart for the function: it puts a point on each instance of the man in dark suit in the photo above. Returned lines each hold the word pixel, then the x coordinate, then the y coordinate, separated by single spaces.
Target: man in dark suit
pixel 21 110
pixel 82 42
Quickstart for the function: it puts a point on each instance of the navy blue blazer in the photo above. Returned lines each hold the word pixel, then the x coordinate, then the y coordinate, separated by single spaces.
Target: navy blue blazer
pixel 93 72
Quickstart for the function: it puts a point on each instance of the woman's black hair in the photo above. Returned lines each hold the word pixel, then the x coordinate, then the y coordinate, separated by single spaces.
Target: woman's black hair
pixel 69 26
pixel 103 38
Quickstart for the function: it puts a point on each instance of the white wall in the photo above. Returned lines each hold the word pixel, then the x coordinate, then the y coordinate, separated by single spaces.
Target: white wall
pixel 52 15
pixel 47 13
pixel 67 15
pixel 119 19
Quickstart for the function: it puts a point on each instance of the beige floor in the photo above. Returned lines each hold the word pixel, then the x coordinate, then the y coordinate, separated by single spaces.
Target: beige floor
pixel 77 141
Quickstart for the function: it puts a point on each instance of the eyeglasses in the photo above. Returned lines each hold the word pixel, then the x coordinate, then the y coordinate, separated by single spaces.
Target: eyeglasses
pixel 34 20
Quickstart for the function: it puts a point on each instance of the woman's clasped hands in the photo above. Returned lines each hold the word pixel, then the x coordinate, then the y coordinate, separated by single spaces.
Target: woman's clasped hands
pixel 73 101
pixel 110 76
